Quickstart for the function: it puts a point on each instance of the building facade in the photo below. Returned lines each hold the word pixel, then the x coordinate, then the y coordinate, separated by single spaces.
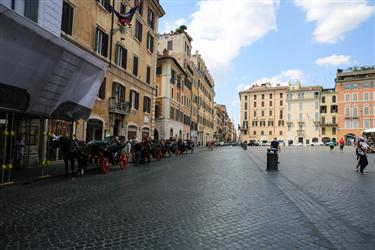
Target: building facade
pixel 173 101
pixel 263 113
pixel 303 121
pixel 328 115
pixel 356 101
pixel 125 103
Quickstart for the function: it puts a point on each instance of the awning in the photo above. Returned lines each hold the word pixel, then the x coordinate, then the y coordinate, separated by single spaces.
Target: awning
pixel 42 73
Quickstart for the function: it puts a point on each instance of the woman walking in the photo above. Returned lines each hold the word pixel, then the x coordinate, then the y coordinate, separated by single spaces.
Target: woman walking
pixel 342 143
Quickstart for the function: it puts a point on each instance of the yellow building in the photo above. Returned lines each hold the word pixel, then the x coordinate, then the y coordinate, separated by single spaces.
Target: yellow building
pixel 303 114
pixel 125 101
pixel 206 95
pixel 262 113
pixel 328 115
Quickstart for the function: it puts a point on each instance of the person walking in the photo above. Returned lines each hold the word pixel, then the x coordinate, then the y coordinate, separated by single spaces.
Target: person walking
pixel 341 143
pixel 363 149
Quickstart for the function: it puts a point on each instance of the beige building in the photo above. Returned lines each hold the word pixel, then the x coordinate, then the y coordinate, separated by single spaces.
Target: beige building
pixel 303 121
pixel 328 115
pixel 262 113
pixel 178 45
pixel 173 102
pixel 125 101
pixel 206 95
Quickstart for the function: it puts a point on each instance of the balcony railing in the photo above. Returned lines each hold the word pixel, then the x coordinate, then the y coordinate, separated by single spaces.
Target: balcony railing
pixel 119 107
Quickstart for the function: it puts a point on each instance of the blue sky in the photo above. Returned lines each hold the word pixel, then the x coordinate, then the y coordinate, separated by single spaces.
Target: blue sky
pixel 245 42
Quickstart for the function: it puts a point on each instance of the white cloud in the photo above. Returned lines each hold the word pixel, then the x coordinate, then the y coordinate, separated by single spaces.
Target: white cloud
pixel 335 18
pixel 283 78
pixel 220 28
pixel 334 60
pixel 170 26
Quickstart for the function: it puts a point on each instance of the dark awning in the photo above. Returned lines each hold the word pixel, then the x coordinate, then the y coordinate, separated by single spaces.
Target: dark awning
pixel 59 79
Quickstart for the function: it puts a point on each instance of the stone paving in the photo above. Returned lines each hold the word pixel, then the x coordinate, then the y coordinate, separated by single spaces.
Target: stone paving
pixel 207 200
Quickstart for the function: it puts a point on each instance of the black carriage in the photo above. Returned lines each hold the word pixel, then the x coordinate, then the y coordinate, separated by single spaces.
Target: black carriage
pixel 110 151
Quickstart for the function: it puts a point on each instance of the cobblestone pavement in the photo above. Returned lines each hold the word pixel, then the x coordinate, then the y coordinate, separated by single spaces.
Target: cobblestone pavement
pixel 208 200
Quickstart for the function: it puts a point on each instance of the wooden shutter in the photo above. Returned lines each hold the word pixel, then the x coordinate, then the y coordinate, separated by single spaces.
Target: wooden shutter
pixel 136 100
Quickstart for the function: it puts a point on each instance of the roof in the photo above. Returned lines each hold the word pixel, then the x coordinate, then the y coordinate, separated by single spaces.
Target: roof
pixel 166 57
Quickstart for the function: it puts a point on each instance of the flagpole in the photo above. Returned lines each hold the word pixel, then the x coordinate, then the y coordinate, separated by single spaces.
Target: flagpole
pixel 111 38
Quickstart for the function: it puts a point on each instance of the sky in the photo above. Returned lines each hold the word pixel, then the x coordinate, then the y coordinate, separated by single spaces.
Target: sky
pixel 245 42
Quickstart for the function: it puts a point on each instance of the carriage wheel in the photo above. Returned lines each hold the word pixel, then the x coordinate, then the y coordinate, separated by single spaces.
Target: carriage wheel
pixel 123 161
pixel 105 165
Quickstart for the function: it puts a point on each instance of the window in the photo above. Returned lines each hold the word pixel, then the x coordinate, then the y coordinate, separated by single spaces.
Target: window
pixel 347 124
pixel 245 97
pixel 333 108
pixel 255 104
pixel 262 103
pixel 148 74
pixel 150 42
pixel 366 110
pixel 245 116
pixel 121 57
pixel 366 85
pixel 170 45
pixel 255 113
pixel 118 92
pixel 323 109
pixel 323 131
pixel 323 99
pixel 300 117
pixel 355 111
pixel 138 31
pixel 269 132
pixel 289 106
pixel 366 123
pixel 289 117
pixel 355 123
pixel 254 132
pixel 333 131
pixel 289 128
pixel 101 93
pixel 255 97
pixel 270 112
pixel 334 99
pixel 316 116
pixel 262 96
pixel 281 114
pixel 347 97
pixel 355 97
pixel 334 120
pixel 323 120
pixel 366 96
pixel 355 86
pixel 281 103
pixel 135 66
pixel 262 113
pixel 347 111
pixel 146 104
pixel 300 106
pixel 245 105
pixel 281 95
pixel 140 8
pixel 348 86
pixel 316 104
pixel 270 103
pixel 262 132
pixel 104 3
pixel 134 99
pixel 101 42
pixel 67 18
pixel 270 96
pixel 151 18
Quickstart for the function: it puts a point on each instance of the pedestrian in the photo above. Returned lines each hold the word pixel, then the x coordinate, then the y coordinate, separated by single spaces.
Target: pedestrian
pixel 362 152
pixel 356 144
pixel 342 143
pixel 18 146
pixel 331 145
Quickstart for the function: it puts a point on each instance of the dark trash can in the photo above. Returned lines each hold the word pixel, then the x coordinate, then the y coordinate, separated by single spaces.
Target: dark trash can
pixel 272 159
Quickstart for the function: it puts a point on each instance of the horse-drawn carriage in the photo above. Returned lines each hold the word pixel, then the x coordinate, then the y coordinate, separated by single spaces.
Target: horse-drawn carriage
pixel 110 151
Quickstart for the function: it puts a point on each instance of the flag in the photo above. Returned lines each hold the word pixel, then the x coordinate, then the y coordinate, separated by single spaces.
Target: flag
pixel 127 17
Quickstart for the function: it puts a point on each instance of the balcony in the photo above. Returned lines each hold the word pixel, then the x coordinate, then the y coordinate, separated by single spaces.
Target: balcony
pixel 118 107
pixel 300 132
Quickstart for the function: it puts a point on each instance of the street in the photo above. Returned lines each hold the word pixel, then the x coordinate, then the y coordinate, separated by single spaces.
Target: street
pixel 221 199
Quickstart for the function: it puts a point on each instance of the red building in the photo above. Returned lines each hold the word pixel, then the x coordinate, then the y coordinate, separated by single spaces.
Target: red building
pixel 356 101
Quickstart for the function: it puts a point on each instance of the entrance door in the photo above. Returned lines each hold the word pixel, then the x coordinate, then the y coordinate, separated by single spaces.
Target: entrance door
pixel 307 141
pixel 300 140
pixel 116 128
pixel 94 130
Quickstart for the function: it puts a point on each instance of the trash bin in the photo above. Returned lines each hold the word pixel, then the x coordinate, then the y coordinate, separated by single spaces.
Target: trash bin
pixel 272 159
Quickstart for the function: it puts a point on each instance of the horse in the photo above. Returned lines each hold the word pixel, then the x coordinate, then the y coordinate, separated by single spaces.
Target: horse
pixel 72 149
